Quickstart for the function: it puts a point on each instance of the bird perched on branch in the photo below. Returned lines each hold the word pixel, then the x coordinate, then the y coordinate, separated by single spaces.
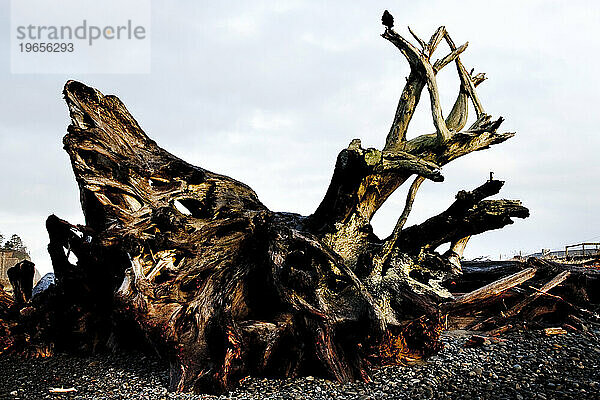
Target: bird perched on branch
pixel 387 19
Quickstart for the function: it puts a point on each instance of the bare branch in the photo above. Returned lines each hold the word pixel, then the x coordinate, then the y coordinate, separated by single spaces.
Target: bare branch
pixel 351 202
pixel 419 61
pixel 481 135
pixel 439 64
pixel 412 54
pixel 410 199
pixel 356 172
pixel 414 85
pixel 456 251
pixel 468 215
pixel 390 243
pixel 457 119
pixel 477 79
pixel 418 39
pixel 400 161
pixel 405 110
pixel 436 38
pixel 465 79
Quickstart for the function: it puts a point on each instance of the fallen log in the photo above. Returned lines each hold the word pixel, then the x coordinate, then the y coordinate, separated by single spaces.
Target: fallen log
pixel 554 293
pixel 478 298
pixel 193 265
pixel 517 308
pixel 557 280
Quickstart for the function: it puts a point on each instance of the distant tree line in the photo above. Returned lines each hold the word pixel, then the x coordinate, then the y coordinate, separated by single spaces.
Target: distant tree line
pixel 14 243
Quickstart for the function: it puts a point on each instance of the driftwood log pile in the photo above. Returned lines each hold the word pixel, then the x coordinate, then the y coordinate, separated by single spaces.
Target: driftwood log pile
pixel 189 263
pixel 534 294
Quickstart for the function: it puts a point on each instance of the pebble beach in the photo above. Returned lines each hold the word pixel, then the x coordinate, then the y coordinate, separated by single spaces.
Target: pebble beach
pixel 522 365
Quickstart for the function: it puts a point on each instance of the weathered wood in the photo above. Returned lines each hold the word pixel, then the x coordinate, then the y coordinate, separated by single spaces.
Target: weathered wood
pixel 192 282
pixel 518 307
pixel 21 279
pixel 353 198
pixel 468 215
pixel 557 280
pixel 390 244
pixel 6 322
pixel 221 286
pixel 455 252
pixel 493 289
pixel 466 79
pixel 418 60
pixel 6 302
pixel 475 274
pixel 528 305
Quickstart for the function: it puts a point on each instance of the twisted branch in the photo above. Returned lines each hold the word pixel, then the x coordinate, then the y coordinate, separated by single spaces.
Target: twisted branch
pixel 421 63
pixel 364 179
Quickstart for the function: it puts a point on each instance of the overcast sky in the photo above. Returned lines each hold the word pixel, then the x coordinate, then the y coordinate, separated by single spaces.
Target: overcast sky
pixel 270 92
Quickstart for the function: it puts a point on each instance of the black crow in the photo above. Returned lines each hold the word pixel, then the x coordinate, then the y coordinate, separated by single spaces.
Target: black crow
pixel 387 19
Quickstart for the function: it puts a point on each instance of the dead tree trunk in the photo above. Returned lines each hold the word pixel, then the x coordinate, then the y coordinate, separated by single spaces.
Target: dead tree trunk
pixel 223 287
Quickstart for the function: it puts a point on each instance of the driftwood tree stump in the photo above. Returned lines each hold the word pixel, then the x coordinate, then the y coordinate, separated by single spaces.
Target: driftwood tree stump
pixel 223 287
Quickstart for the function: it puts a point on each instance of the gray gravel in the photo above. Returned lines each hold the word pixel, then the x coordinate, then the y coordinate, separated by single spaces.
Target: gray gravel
pixel 526 365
